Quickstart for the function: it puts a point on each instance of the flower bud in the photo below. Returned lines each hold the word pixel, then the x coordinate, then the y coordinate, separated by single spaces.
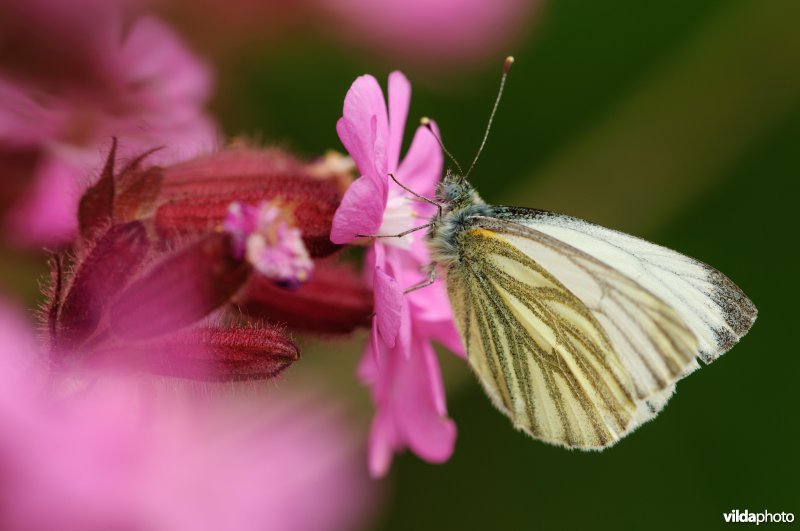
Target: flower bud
pixel 181 289
pixel 208 354
pixel 334 301
pixel 195 195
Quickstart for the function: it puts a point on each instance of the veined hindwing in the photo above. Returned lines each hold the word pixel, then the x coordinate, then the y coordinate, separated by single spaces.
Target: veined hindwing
pixel 579 363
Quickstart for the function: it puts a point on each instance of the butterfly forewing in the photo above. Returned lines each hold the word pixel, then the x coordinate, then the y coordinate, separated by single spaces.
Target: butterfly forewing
pixel 541 354
pixel 712 306
pixel 650 337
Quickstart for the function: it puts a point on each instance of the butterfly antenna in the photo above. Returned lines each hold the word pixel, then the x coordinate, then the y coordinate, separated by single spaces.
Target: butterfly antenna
pixel 426 122
pixel 506 67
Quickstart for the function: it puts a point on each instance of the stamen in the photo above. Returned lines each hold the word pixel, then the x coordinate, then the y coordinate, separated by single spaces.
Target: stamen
pixel 264 238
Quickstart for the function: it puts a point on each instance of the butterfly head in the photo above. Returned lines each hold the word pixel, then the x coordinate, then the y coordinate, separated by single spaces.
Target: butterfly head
pixel 460 204
pixel 454 192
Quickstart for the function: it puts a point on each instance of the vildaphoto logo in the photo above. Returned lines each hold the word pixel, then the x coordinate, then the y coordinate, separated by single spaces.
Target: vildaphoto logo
pixel 764 517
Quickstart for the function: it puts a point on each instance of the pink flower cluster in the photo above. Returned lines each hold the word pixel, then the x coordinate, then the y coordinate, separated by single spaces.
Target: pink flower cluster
pixel 202 270
pixel 399 364
pixel 95 76
pixel 432 32
pixel 107 451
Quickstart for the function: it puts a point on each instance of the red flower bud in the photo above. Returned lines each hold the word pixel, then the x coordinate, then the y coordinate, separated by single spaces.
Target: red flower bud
pixel 333 301
pixel 196 194
pixel 208 354
pixel 181 289
pixel 98 278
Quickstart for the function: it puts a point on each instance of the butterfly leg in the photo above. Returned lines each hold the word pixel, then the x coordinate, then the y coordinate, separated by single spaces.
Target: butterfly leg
pixel 425 283
pixel 398 235
pixel 418 196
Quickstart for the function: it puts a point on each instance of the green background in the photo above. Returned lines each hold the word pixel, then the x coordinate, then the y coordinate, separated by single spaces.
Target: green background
pixel 676 121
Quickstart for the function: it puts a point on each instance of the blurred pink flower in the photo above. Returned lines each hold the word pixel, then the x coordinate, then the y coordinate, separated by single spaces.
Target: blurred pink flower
pixel 399 364
pixel 101 451
pixel 76 77
pixel 434 32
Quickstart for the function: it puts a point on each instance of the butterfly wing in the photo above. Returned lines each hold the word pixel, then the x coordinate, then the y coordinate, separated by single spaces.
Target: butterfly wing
pixel 574 351
pixel 713 307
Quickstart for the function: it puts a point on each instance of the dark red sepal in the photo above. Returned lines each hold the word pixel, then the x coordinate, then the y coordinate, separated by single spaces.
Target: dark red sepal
pixel 96 207
pixel 181 289
pixel 98 278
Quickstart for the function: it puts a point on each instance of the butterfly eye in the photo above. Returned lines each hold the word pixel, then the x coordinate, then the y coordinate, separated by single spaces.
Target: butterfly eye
pixel 448 192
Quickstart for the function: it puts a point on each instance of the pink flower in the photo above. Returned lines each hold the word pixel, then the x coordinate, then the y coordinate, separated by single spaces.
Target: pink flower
pixel 433 32
pixel 93 450
pixel 399 364
pixel 94 78
pixel 263 236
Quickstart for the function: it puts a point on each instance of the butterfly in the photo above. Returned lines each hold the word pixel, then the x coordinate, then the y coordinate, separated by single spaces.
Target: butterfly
pixel 578 333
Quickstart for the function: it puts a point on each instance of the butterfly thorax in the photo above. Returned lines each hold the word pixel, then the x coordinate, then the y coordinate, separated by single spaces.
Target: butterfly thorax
pixel 460 204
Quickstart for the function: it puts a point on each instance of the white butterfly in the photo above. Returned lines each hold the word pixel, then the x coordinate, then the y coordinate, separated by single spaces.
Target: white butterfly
pixel 578 333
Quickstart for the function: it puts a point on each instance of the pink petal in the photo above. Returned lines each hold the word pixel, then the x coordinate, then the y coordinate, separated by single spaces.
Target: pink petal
pixel 370 367
pixel 421 168
pixel 165 73
pixel 374 347
pixel 420 406
pixel 410 408
pixel 432 32
pixel 49 211
pixel 410 403
pixel 140 84
pixel 18 357
pixel 122 454
pixel 399 101
pixel 23 120
pixel 432 302
pixel 405 272
pixel 445 333
pixel 419 254
pixel 388 304
pixel 367 130
pixel 433 317
pixel 177 142
pixel 359 143
pixel 405 332
pixel 382 444
pixel 360 212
